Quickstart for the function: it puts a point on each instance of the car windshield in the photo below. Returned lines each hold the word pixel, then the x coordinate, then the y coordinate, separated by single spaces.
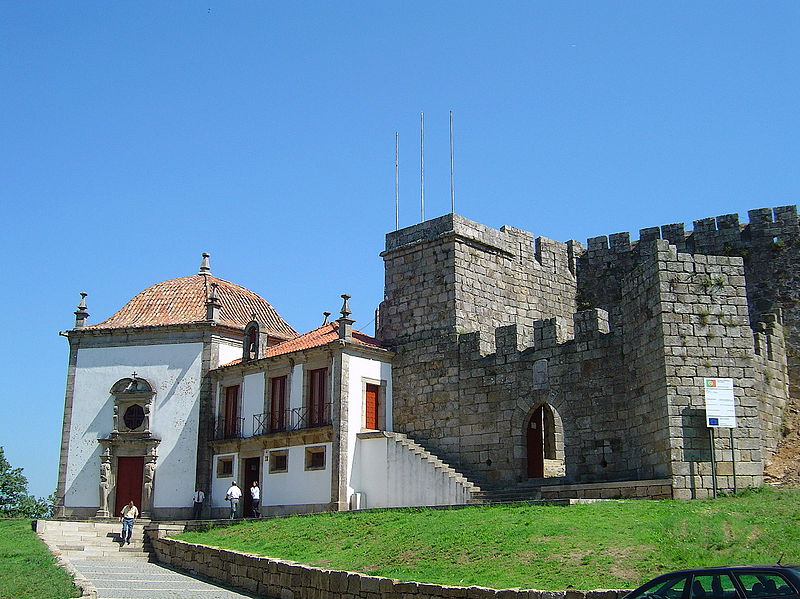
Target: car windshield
pixel 670 587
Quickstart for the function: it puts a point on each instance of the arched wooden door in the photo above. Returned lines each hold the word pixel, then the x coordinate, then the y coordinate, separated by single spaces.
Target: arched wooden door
pixel 535 443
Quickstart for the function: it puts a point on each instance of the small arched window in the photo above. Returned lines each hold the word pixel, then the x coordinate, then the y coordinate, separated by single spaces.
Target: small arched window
pixel 250 343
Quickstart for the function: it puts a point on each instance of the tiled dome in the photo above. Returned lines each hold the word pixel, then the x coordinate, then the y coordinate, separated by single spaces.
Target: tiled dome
pixel 183 300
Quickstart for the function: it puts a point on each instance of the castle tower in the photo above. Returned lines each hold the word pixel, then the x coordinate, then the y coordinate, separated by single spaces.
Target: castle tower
pixel 447 277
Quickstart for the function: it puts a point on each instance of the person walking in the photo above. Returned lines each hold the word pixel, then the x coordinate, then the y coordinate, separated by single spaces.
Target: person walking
pixel 128 514
pixel 233 495
pixel 197 504
pixel 255 495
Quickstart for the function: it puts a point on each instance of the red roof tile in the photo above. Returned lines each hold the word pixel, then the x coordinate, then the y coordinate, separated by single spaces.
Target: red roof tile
pixel 183 300
pixel 314 338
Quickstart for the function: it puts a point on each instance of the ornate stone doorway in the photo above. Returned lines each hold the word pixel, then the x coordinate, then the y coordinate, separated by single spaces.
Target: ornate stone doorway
pixel 129 453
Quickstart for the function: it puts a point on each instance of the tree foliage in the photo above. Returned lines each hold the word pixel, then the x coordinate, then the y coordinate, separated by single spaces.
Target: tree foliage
pixel 15 502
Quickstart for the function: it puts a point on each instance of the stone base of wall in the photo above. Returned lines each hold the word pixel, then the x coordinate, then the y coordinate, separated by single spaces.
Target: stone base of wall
pixel 185 513
pixel 631 489
pixel 290 580
pixel 221 513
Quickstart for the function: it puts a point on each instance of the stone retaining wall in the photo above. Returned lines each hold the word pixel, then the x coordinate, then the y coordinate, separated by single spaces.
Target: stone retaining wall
pixel 289 580
pixel 635 489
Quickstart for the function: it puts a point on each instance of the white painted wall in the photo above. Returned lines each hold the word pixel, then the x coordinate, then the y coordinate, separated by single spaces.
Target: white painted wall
pixel 252 399
pixel 219 486
pixel 174 372
pixel 390 474
pixel 296 388
pixel 359 369
pixel 229 353
pixel 297 486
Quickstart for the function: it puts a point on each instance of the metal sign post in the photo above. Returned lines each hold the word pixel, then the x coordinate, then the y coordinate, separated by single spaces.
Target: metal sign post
pixel 720 413
pixel 713 464
pixel 733 461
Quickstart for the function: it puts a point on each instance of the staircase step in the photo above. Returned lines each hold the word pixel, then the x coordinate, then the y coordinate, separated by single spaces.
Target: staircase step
pixel 95 541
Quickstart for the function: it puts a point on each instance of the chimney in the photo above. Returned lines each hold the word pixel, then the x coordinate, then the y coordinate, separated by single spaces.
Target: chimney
pixel 325 320
pixel 205 265
pixel 345 322
pixel 81 315
pixel 212 303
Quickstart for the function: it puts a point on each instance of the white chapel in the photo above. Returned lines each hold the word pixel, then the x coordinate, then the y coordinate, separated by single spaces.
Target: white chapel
pixel 197 382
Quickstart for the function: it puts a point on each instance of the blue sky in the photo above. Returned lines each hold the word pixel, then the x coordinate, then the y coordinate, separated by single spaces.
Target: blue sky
pixel 136 135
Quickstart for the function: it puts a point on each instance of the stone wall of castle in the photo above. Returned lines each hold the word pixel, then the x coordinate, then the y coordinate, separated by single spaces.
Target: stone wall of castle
pixel 769 246
pixel 486 328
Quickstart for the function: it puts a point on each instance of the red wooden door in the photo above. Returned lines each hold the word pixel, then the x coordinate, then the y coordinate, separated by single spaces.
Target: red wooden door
pixel 371 416
pixel 129 483
pixel 535 444
pixel 316 400
pixel 277 407
pixel 232 412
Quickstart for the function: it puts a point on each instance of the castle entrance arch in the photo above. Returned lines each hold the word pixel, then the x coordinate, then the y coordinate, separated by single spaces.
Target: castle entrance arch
pixel 544 443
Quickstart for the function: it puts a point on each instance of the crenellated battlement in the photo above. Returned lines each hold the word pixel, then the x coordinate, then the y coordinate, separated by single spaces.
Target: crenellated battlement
pixel 547 333
pixel 768 336
pixel 719 234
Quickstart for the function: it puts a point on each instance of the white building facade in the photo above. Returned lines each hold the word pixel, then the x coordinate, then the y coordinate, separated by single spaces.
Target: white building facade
pixel 198 382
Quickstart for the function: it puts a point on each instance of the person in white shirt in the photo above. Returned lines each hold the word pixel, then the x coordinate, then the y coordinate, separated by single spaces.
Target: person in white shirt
pixel 197 507
pixel 128 513
pixel 255 495
pixel 233 495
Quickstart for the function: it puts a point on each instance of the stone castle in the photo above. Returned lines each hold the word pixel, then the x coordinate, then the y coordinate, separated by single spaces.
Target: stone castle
pixel 521 358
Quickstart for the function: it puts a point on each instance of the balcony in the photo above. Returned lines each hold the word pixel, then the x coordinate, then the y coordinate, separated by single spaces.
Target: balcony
pixel 230 428
pixel 274 422
pixel 291 420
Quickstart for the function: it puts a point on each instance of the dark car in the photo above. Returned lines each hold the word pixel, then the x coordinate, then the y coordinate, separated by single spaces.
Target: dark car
pixel 724 582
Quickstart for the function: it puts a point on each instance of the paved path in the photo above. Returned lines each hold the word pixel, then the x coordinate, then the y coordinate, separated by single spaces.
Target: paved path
pixel 144 580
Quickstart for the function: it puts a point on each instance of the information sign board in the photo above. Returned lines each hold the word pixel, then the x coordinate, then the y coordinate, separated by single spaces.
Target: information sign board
pixel 720 406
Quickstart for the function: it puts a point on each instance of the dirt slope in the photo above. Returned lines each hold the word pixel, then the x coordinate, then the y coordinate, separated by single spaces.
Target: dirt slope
pixel 784 467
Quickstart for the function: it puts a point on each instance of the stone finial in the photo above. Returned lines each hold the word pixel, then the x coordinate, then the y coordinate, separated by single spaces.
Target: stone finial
pixel 205 265
pixel 212 304
pixel 345 306
pixel 326 315
pixel 345 322
pixel 81 315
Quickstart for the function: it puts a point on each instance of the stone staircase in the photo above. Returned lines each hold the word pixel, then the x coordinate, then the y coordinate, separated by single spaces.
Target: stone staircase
pixel 438 464
pixel 93 540
pixel 528 492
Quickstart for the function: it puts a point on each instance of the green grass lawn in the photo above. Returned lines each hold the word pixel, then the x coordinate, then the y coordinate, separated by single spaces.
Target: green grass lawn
pixel 617 544
pixel 27 569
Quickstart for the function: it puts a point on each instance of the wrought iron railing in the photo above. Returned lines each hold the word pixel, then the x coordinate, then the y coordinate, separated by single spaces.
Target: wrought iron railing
pixel 231 428
pixel 270 422
pixel 306 417
pixel 291 420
